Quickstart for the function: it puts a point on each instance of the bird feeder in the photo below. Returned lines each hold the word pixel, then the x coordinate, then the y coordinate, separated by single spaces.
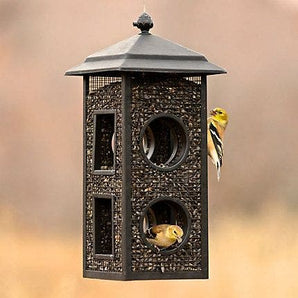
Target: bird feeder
pixel 145 158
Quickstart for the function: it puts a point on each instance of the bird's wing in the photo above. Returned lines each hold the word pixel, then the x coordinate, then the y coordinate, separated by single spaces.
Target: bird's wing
pixel 153 231
pixel 157 229
pixel 216 141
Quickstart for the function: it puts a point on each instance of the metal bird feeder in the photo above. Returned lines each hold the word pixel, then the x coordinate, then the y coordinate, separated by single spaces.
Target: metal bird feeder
pixel 145 157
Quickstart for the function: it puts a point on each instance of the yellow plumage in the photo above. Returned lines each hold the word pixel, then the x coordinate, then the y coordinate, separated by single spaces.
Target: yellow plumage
pixel 216 125
pixel 165 235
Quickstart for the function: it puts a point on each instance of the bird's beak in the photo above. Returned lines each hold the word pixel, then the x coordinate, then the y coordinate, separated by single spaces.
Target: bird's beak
pixel 179 240
pixel 212 113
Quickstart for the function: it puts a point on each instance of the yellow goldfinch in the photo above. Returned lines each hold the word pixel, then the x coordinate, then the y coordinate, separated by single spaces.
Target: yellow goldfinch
pixel 165 235
pixel 215 131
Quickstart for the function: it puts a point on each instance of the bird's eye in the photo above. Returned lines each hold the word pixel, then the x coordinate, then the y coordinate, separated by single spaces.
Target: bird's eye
pixel 219 112
pixel 175 232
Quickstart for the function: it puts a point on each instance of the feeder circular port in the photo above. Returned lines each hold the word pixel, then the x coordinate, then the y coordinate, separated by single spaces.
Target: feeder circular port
pixel 164 142
pixel 164 213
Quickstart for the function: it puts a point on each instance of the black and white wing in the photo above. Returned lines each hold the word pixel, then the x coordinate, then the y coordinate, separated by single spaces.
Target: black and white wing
pixel 218 145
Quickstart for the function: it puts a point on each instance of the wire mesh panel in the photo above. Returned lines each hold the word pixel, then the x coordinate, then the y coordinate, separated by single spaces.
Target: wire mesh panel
pixel 97 82
pixel 197 80
pixel 179 99
pixel 103 175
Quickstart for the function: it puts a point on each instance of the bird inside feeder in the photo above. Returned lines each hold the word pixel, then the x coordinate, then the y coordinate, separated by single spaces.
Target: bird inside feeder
pixel 165 225
pixel 165 235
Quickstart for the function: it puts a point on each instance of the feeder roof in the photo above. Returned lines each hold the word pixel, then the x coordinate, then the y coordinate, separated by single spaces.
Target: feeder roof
pixel 146 53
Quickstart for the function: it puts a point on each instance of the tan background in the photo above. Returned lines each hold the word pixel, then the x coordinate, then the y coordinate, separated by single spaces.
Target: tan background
pixel 253 210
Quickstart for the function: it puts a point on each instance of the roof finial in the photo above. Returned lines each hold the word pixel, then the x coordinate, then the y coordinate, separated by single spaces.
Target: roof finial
pixel 144 23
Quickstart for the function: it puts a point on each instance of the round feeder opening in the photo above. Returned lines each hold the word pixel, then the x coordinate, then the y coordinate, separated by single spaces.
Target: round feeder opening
pixel 168 212
pixel 164 142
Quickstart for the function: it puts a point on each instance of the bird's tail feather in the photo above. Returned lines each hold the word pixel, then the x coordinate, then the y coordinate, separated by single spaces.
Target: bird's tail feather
pixel 218 171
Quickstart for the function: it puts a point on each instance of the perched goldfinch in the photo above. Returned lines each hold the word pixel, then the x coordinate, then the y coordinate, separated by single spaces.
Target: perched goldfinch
pixel 165 235
pixel 215 131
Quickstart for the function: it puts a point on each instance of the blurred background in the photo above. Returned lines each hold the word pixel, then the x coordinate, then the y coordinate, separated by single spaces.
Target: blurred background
pixel 253 210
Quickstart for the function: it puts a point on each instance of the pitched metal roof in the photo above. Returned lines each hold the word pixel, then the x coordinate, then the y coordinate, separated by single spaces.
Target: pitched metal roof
pixel 146 52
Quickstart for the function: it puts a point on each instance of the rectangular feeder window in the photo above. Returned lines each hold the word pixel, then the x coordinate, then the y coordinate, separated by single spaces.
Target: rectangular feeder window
pixel 103 226
pixel 104 142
